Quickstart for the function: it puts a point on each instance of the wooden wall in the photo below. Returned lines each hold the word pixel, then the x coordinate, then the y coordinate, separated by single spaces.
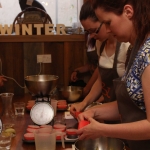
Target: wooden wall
pixel 19 57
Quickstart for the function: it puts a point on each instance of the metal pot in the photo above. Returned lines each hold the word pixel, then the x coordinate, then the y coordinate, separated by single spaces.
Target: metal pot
pixel 102 143
pixel 71 93
pixel 41 85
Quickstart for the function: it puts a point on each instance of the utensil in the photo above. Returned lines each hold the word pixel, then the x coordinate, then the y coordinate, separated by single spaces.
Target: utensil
pixel 41 85
pixel 71 93
pixel 54 105
pixel 73 147
pixel 102 143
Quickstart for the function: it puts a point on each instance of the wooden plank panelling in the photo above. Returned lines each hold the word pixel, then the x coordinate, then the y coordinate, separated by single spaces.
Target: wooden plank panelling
pixel 57 54
pixel 20 59
pixel 12 56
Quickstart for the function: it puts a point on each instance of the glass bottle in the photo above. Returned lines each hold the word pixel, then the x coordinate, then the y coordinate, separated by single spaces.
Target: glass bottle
pixel 7 115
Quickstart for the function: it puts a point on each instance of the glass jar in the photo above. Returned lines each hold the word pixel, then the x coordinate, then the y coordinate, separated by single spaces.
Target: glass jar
pixel 7 116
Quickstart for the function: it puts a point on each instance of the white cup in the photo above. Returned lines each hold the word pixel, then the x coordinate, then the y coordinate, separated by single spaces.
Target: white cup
pixel 54 105
pixel 47 141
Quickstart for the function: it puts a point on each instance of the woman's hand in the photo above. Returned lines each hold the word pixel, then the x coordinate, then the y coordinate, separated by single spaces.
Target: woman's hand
pixel 74 77
pixel 2 80
pixel 77 107
pixel 86 115
pixel 91 131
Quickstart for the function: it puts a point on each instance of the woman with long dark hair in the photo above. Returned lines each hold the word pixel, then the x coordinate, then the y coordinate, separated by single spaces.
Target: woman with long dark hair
pixel 128 21
pixel 112 56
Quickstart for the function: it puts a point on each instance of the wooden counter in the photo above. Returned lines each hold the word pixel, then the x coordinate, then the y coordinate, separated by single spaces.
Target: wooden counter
pixel 42 38
pixel 19 57
pixel 21 124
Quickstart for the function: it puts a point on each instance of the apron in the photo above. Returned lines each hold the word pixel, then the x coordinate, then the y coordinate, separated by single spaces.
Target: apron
pixel 93 59
pixel 107 76
pixel 129 111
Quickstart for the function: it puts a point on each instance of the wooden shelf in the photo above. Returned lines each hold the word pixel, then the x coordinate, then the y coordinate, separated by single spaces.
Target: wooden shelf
pixel 41 38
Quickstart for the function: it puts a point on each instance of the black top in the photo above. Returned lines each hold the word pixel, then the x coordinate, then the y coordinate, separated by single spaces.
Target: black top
pixel 35 3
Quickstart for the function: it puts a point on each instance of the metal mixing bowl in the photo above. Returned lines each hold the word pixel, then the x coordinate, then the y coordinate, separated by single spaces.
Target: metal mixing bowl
pixel 92 105
pixel 41 85
pixel 71 93
pixel 101 143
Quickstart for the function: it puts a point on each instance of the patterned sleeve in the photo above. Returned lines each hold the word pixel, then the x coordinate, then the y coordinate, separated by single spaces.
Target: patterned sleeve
pixel 144 57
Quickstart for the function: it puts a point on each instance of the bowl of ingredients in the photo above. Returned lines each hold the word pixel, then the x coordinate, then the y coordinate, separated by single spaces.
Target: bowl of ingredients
pixel 71 93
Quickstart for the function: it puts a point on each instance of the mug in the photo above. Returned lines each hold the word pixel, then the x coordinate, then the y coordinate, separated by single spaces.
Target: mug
pixel 47 141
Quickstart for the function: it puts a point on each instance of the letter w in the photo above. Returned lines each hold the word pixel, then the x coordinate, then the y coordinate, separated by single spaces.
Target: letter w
pixel 5 30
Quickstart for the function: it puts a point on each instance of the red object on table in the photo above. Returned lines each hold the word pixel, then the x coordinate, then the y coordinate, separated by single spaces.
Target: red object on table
pixel 71 131
pixel 77 114
pixel 33 126
pixel 83 123
pixel 30 130
pixel 59 126
pixel 29 136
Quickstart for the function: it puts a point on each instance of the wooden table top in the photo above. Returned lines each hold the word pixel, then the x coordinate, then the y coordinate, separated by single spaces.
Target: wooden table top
pixel 21 124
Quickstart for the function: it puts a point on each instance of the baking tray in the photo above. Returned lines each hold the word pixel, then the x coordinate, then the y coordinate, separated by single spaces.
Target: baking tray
pixel 58 141
pixel 58 109
pixel 62 109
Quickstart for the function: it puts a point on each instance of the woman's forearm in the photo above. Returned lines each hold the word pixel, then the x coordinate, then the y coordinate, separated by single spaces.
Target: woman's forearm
pixel 94 93
pixel 82 69
pixel 132 131
pixel 91 82
pixel 107 111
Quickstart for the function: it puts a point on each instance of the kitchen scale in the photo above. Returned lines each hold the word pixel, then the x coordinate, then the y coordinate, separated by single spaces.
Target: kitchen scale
pixel 42 112
pixel 41 86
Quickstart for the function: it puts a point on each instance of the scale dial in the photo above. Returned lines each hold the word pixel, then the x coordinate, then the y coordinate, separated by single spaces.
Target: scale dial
pixel 42 113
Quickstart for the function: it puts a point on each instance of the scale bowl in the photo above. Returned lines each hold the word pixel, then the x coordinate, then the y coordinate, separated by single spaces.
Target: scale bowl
pixel 41 85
